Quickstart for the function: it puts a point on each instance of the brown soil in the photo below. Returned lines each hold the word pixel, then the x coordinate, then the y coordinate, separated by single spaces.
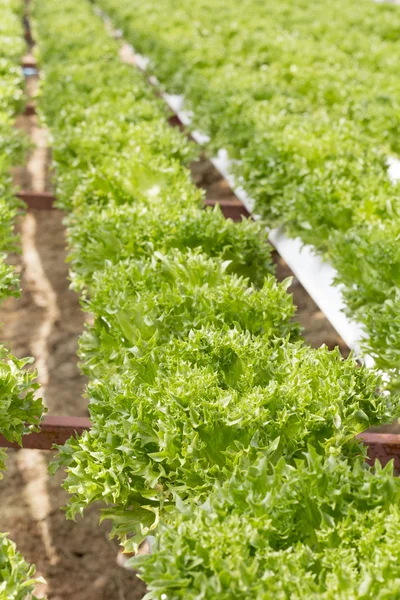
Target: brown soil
pixel 78 560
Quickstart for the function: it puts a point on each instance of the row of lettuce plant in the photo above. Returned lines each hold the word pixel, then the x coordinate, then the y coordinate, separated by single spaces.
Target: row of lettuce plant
pixel 214 425
pixel 20 409
pixel 305 97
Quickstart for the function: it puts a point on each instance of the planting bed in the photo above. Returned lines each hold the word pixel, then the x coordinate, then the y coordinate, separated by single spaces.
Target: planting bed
pixel 204 400
pixel 317 276
pixel 310 113
pixel 75 559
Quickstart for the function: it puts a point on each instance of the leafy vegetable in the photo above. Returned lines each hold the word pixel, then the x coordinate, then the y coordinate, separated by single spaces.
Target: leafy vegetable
pixel 20 409
pixel 17 580
pixel 117 232
pixel 179 417
pixel 305 97
pixel 213 424
pixel 322 529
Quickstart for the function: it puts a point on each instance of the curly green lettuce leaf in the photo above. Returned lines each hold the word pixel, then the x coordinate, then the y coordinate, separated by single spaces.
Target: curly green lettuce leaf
pixel 17 578
pixel 320 529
